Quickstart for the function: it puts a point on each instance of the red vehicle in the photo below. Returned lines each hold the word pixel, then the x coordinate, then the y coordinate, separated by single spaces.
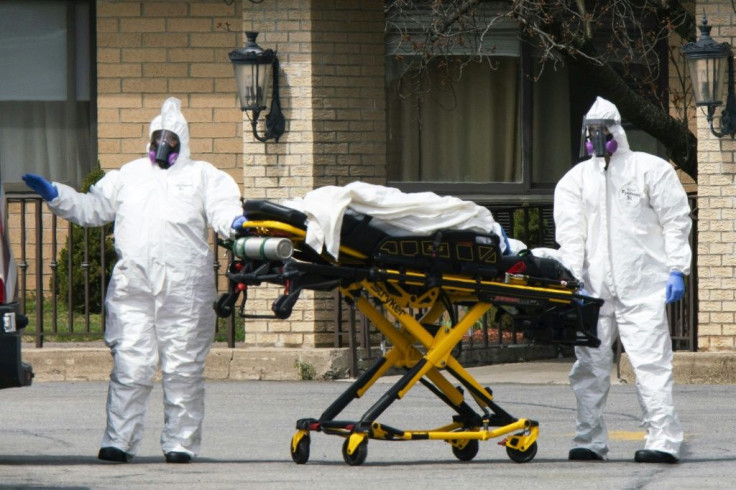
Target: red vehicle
pixel 13 371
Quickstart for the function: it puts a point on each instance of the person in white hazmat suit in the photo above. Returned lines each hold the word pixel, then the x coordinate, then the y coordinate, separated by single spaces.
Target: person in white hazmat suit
pixel 622 221
pixel 160 297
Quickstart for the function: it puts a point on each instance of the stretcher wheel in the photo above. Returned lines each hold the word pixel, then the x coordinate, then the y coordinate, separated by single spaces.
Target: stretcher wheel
pixel 301 454
pixel 359 455
pixel 468 452
pixel 522 456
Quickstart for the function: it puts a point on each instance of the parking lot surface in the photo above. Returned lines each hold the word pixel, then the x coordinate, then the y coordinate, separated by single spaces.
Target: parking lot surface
pixel 50 434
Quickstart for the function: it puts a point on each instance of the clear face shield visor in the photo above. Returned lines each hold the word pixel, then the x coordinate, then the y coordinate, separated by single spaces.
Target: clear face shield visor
pixel 595 137
pixel 164 148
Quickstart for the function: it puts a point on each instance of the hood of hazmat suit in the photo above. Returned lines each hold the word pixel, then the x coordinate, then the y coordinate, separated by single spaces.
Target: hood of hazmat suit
pixel 623 225
pixel 172 120
pixel 601 133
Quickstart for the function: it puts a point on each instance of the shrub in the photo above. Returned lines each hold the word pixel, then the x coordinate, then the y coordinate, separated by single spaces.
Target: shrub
pixel 520 231
pixel 306 371
pixel 94 254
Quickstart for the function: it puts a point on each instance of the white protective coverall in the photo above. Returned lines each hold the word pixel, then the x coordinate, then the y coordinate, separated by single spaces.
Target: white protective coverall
pixel 160 297
pixel 622 230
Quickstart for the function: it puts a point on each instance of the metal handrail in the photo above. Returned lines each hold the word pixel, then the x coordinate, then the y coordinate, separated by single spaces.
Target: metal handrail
pixel 532 223
pixel 41 231
pixel 682 315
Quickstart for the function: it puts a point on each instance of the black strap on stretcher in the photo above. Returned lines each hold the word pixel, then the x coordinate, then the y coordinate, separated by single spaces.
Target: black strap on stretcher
pixel 387 274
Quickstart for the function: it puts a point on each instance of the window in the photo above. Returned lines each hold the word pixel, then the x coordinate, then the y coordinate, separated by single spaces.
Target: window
pixel 555 135
pixel 452 124
pixel 475 126
pixel 46 90
pixel 489 129
pixel 462 128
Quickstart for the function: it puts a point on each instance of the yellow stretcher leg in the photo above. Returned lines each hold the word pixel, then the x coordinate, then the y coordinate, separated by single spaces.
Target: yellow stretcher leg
pixel 424 349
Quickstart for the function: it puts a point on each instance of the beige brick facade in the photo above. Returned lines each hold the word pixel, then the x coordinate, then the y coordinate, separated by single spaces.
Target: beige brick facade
pixel 332 95
pixel 333 98
pixel 150 50
pixel 717 205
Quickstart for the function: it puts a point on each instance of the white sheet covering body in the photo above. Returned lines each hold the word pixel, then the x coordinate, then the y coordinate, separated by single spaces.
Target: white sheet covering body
pixel 418 212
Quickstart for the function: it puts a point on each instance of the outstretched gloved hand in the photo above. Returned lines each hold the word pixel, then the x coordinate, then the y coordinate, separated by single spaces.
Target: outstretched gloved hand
pixel 43 187
pixel 675 287
pixel 238 222
pixel 581 292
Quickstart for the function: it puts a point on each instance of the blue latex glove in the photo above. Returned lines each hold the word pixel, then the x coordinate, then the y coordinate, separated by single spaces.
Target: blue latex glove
pixel 238 222
pixel 675 287
pixel 581 292
pixel 43 187
pixel 506 241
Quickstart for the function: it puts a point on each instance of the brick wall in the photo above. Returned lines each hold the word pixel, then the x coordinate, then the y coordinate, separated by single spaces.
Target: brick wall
pixel 150 50
pixel 717 210
pixel 147 51
pixel 332 95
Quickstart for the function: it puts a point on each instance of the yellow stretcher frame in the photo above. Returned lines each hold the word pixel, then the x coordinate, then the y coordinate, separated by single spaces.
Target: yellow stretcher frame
pixel 403 353
pixel 425 354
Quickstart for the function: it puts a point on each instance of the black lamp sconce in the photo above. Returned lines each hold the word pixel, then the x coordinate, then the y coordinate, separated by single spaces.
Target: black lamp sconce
pixel 254 70
pixel 707 61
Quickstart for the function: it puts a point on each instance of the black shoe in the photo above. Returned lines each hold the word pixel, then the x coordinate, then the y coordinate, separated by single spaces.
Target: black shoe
pixel 114 454
pixel 178 457
pixel 651 456
pixel 583 454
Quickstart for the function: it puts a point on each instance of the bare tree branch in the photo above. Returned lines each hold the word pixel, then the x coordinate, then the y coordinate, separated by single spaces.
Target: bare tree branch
pixel 605 38
pixel 680 143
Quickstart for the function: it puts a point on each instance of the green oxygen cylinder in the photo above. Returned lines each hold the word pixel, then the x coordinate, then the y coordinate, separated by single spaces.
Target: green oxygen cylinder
pixel 263 248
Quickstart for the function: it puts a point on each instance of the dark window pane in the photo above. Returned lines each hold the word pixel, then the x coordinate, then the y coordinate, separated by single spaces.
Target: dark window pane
pixel 551 134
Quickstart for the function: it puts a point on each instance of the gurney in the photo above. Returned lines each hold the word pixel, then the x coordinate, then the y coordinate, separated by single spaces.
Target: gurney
pixel 389 275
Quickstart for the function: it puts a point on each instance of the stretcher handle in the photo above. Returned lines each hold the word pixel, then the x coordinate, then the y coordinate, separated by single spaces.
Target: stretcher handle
pixel 284 304
pixel 261 274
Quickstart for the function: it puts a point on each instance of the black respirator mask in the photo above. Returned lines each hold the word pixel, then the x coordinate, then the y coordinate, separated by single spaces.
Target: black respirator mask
pixel 164 148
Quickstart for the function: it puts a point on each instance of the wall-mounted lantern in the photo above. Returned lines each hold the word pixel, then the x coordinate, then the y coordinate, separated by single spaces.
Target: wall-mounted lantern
pixel 254 70
pixel 707 61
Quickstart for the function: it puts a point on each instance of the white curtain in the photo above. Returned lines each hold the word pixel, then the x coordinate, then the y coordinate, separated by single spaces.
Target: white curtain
pixel 47 138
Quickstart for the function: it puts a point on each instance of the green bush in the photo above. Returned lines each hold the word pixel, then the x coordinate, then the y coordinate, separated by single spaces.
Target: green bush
pixel 96 291
pixel 520 231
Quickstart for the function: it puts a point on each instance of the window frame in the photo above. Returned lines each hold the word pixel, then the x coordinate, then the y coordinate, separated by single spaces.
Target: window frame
pixel 493 191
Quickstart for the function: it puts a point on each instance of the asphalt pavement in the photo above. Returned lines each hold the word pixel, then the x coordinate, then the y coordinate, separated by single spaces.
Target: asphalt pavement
pixel 50 434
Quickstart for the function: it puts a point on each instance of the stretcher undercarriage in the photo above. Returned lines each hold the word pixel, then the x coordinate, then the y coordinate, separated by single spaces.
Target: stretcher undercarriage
pixel 389 275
